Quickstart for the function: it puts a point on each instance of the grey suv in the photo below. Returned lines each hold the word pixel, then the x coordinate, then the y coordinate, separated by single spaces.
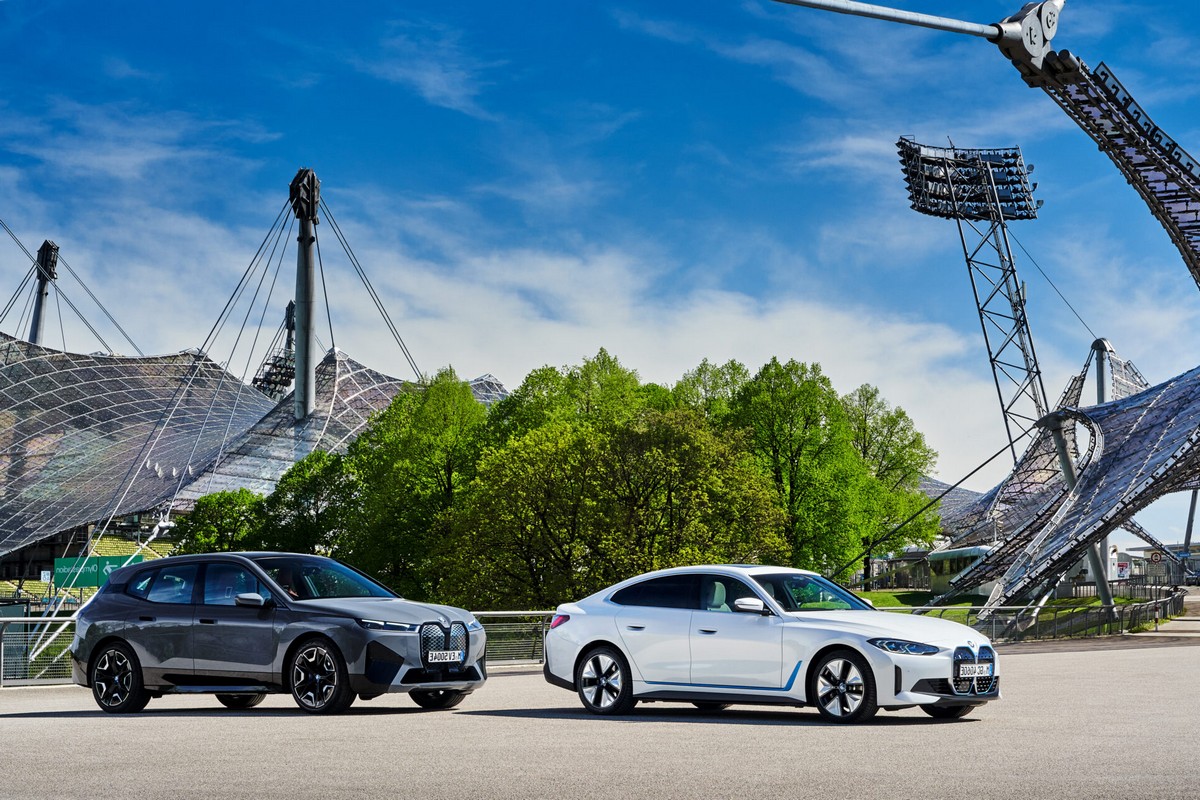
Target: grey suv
pixel 240 625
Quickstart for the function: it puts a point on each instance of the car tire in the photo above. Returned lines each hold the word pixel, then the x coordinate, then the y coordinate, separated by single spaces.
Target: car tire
pixel 239 702
pixel 842 687
pixel 437 698
pixel 603 682
pixel 947 712
pixel 116 678
pixel 317 677
pixel 710 706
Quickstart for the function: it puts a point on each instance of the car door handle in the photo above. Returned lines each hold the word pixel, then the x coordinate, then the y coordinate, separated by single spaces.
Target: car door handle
pixel 208 622
pixel 636 627
pixel 145 619
pixel 709 631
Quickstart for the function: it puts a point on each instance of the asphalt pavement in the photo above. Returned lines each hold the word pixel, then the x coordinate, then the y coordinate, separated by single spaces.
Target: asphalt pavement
pixel 1114 722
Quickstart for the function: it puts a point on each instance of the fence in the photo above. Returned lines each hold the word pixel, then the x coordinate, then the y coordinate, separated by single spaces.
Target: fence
pixel 517 637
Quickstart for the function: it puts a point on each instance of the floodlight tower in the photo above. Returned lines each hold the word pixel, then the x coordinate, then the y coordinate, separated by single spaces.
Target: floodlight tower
pixel 981 190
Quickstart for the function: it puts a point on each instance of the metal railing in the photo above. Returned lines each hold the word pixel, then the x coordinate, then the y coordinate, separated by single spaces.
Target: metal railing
pixel 1027 623
pixel 28 656
pixel 518 637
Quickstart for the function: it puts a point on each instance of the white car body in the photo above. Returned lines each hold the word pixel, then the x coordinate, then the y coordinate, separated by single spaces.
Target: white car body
pixel 765 652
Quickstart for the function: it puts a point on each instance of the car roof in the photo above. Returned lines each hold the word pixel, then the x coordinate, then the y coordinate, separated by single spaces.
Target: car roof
pixel 744 570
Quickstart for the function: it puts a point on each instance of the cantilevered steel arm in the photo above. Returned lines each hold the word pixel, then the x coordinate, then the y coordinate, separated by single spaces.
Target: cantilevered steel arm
pixel 992 32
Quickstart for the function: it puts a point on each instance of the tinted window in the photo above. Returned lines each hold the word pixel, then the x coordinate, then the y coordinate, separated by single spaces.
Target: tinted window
pixel 173 584
pixel 224 582
pixel 671 591
pixel 139 585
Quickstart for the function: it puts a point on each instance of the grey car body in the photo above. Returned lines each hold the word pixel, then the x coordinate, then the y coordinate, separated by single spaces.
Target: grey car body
pixel 241 625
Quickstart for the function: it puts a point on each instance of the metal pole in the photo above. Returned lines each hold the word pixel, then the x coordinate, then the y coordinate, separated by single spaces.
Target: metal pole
pixel 1054 423
pixel 992 32
pixel 47 264
pixel 305 197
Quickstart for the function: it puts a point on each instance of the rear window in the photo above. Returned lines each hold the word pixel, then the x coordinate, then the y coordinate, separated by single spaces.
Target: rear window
pixel 670 591
pixel 170 584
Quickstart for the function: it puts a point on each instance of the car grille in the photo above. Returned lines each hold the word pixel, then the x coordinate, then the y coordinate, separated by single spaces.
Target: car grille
pixel 435 637
pixel 974 686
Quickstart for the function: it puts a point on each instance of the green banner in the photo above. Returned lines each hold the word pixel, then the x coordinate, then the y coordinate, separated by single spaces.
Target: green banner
pixel 83 573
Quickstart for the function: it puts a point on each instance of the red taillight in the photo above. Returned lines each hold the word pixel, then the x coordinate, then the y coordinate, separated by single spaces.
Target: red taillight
pixel 559 619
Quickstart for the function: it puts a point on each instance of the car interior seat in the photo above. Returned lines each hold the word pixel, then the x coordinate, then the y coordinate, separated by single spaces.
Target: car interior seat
pixel 716 597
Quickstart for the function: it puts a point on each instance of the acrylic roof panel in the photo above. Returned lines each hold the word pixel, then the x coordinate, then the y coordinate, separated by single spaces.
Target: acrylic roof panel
pixel 85 436
pixel 348 393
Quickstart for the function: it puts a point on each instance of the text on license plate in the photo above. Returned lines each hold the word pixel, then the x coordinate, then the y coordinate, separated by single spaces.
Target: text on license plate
pixel 444 656
pixel 975 670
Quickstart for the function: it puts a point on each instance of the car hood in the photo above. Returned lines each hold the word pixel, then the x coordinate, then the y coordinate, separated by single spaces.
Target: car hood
pixel 915 628
pixel 385 609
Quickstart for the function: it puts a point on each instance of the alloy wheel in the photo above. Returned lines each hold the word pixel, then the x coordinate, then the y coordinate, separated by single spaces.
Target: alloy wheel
pixel 840 687
pixel 113 678
pixel 314 676
pixel 601 681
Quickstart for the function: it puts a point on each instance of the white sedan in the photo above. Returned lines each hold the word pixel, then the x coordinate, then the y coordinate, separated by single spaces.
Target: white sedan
pixel 717 635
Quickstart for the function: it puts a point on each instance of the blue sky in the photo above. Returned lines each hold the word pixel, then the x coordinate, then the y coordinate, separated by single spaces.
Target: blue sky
pixel 528 183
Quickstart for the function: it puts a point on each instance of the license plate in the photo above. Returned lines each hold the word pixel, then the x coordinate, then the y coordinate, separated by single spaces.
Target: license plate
pixel 444 656
pixel 975 670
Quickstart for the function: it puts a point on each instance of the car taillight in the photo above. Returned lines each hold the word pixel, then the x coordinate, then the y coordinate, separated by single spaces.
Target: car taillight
pixel 559 619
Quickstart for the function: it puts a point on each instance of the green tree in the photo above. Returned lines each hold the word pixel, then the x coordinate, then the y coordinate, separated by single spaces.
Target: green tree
pixel 527 520
pixel 897 456
pixel 305 512
pixel 221 522
pixel 710 388
pixel 407 469
pixel 796 426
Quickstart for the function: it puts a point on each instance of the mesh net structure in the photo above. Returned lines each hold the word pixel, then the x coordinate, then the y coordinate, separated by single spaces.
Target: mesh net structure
pixel 86 437
pixel 348 393
pixel 1144 447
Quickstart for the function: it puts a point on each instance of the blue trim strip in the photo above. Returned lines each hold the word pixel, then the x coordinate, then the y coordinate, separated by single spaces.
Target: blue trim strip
pixel 785 688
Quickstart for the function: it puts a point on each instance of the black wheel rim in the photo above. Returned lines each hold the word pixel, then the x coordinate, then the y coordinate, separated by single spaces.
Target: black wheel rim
pixel 113 678
pixel 601 681
pixel 840 687
pixel 314 676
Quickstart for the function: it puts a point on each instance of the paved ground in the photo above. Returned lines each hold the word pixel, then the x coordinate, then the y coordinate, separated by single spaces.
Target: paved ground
pixel 1099 722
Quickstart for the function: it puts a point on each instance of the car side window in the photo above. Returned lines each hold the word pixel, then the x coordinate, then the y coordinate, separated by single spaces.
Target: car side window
pixel 224 582
pixel 669 591
pixel 139 586
pixel 173 584
pixel 719 592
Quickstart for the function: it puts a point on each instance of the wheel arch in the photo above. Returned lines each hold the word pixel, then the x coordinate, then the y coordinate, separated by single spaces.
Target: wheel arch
pixel 587 649
pixel 99 646
pixel 299 642
pixel 810 675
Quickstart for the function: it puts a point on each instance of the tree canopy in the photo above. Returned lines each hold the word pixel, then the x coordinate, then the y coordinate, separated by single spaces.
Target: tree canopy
pixel 585 475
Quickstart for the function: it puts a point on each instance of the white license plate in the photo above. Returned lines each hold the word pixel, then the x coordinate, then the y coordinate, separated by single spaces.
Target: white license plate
pixel 975 670
pixel 444 656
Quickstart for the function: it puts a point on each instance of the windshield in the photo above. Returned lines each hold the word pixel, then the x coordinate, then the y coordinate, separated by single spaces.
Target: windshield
pixel 309 578
pixel 808 593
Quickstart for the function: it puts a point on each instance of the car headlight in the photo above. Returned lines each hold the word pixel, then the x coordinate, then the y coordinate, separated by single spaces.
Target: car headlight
pixel 906 647
pixel 474 625
pixel 380 625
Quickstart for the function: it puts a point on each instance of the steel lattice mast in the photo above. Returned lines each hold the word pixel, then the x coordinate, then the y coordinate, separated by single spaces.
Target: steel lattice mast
pixel 981 190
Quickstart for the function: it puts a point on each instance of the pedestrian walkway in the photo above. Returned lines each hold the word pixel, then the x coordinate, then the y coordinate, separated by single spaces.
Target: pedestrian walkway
pixel 1187 625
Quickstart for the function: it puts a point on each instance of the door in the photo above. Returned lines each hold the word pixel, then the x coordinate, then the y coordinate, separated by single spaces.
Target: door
pixel 159 628
pixel 731 649
pixel 653 624
pixel 230 640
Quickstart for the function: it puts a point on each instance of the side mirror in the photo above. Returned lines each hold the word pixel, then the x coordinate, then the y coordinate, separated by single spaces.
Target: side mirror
pixel 250 600
pixel 750 605
pixel 865 600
